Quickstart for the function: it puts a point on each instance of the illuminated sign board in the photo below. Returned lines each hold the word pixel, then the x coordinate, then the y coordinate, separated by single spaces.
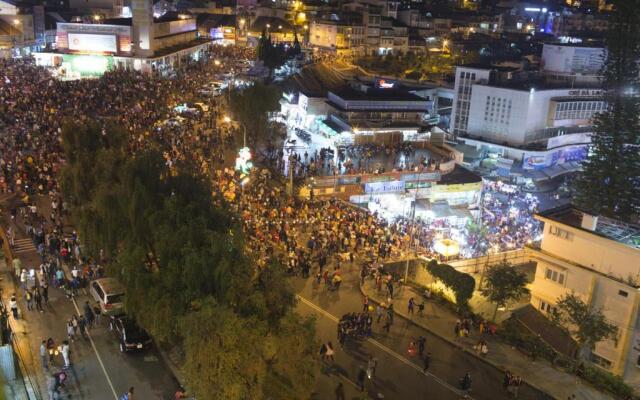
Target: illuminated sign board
pixel 382 83
pixel 88 42
pixel 384 187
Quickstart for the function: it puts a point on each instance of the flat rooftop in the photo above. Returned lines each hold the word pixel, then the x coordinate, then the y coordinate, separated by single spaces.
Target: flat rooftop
pixel 347 93
pixel 618 231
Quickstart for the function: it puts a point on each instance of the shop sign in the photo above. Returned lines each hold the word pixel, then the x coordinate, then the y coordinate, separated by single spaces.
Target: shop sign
pixel 384 187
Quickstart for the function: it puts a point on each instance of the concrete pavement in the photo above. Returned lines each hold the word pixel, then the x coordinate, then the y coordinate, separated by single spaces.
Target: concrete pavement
pixel 99 371
pixel 440 321
pixel 400 375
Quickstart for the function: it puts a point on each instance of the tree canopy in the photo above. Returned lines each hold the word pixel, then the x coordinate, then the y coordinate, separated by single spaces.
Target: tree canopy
pixel 188 278
pixel 587 325
pixel 503 283
pixel 250 107
pixel 610 182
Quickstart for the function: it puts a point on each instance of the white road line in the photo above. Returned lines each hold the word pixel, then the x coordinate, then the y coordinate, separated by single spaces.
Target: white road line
pixel 95 350
pixel 384 348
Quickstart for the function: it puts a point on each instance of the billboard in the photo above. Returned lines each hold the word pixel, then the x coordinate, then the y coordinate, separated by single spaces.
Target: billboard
pixel 89 42
pixel 540 160
pixel 384 187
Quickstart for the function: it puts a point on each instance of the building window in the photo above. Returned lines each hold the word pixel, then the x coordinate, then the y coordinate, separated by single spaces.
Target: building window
pixel 546 307
pixel 601 361
pixel 555 275
pixel 561 233
pixel 623 293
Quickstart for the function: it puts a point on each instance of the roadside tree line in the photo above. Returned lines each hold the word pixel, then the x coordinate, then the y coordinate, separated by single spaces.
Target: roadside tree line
pixel 189 280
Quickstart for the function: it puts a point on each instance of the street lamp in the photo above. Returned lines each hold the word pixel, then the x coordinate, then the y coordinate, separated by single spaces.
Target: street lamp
pixel 216 63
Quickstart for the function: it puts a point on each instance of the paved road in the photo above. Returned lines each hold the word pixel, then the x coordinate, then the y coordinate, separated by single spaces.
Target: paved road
pixel 99 371
pixel 399 375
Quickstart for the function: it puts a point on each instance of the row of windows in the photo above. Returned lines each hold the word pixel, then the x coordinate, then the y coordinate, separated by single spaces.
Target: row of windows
pixel 581 105
pixel 555 275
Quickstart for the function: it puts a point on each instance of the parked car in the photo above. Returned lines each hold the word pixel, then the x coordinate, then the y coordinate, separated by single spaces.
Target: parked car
pixel 109 293
pixel 129 334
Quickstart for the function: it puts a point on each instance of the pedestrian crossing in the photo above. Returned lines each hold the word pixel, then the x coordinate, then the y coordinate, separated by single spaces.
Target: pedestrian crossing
pixel 21 246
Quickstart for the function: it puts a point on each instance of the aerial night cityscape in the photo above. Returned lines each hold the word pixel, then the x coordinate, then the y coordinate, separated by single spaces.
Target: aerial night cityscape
pixel 319 199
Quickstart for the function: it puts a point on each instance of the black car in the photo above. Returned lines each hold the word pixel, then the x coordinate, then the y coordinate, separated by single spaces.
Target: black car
pixel 129 334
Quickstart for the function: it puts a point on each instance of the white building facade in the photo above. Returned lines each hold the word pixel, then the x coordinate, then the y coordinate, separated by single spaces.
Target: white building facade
pixel 597 259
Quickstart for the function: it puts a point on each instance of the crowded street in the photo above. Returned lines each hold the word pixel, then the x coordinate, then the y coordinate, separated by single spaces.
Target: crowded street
pixel 328 246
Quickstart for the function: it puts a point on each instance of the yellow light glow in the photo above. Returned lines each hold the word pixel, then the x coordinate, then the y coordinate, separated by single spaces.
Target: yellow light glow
pixel 226 119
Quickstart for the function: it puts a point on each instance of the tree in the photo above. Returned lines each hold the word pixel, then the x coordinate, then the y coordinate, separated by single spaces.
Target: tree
pixel 188 278
pixel 251 106
pixel 588 326
pixel 503 283
pixel 610 182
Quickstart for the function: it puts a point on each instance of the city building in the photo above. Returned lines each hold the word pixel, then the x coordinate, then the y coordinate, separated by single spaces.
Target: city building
pixel 141 42
pixel 382 109
pixel 541 119
pixel 21 28
pixel 597 259
pixel 341 35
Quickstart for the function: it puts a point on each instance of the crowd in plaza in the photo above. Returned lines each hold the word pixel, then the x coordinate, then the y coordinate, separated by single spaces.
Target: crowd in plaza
pixel 313 238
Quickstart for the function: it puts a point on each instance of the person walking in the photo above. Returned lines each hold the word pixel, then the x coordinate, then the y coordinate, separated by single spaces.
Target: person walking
pixel 65 354
pixel 379 312
pixel 330 351
pixel 128 395
pixel 421 343
pixel 411 306
pixel 371 367
pixel 340 392
pixel 465 382
pixel 45 291
pixel 426 361
pixel 88 315
pixel 361 377
pixel 97 312
pixel 37 297
pixel 82 327
pixel 28 298
pixel 13 304
pixel 365 304
pixel 71 333
pixel 43 354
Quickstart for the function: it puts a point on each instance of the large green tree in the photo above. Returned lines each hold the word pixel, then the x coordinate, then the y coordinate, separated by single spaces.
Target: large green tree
pixel 251 106
pixel 188 278
pixel 503 283
pixel 585 324
pixel 610 182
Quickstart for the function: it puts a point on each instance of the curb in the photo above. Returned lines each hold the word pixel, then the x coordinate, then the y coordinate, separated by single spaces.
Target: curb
pixel 457 345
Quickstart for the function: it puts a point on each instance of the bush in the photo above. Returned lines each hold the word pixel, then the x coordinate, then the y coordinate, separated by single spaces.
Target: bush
pixel 606 381
pixel 462 284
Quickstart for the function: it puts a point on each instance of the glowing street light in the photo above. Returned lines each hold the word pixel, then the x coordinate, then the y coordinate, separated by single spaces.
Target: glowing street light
pixel 216 62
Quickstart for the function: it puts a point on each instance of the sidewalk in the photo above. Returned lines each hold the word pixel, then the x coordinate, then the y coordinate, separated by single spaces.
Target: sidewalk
pixel 441 322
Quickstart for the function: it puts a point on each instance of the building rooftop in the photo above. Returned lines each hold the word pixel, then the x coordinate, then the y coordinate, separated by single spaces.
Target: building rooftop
pixel 348 93
pixel 618 231
pixel 500 68
pixel 459 175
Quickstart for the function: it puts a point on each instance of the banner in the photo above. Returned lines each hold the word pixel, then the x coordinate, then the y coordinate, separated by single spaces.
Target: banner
pixel 93 43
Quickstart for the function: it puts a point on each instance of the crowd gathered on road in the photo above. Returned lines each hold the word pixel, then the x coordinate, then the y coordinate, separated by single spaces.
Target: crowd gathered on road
pixel 313 238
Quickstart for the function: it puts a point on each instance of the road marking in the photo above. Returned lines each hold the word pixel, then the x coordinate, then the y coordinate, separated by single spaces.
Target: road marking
pixel 95 350
pixel 384 348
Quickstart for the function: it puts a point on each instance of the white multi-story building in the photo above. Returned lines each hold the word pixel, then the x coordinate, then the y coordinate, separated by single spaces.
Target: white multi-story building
pixel 573 64
pixel 598 259
pixel 539 118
